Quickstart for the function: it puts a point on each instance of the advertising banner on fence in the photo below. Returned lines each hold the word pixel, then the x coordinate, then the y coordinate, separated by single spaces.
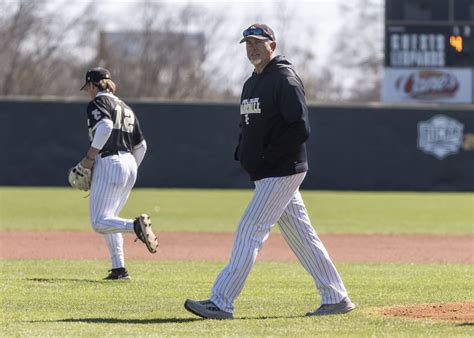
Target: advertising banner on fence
pixel 437 85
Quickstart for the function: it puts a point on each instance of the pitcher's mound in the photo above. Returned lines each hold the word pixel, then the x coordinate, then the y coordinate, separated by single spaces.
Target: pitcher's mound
pixel 460 312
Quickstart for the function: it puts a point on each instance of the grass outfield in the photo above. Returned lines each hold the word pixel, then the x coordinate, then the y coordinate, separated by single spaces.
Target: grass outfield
pixel 220 210
pixel 59 298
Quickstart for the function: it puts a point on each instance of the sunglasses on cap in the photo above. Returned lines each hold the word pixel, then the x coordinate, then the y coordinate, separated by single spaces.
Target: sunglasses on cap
pixel 256 31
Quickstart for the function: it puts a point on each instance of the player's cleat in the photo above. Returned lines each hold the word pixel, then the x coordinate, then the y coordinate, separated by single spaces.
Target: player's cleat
pixel 206 309
pixel 118 274
pixel 343 306
pixel 142 227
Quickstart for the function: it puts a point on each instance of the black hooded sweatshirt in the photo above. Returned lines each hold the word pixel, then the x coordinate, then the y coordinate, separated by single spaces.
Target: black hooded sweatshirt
pixel 274 123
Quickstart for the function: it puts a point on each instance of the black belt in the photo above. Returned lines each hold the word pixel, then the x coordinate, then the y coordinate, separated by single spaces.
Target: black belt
pixel 109 153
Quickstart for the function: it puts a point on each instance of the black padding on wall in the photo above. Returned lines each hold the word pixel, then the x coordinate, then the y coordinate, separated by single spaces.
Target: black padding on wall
pixel 191 145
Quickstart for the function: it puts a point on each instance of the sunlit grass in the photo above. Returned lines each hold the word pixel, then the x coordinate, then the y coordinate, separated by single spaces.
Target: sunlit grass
pixel 220 210
pixel 68 298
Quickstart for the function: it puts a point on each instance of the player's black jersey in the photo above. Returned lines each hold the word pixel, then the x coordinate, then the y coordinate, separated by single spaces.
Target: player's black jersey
pixel 126 132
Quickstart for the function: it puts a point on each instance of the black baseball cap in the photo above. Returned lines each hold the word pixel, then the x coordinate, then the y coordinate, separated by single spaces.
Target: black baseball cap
pixel 258 31
pixel 95 75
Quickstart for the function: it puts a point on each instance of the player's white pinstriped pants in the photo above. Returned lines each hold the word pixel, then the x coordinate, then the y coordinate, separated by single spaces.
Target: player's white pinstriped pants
pixel 277 199
pixel 112 180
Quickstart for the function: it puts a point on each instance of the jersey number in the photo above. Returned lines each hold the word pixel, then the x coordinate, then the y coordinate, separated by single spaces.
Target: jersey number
pixel 96 114
pixel 125 118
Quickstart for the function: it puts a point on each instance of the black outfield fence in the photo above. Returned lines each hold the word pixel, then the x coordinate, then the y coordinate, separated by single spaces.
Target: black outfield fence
pixel 352 147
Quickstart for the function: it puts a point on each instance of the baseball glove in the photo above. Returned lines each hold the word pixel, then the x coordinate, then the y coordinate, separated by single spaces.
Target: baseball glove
pixel 80 177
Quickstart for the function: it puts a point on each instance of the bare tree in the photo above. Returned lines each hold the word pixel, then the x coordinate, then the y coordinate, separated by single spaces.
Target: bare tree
pixel 14 31
pixel 357 60
pixel 43 52
pixel 320 85
pixel 174 51
pixel 164 56
pixel 35 58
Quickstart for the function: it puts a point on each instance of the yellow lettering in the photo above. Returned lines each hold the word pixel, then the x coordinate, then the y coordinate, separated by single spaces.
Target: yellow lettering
pixel 468 142
pixel 456 42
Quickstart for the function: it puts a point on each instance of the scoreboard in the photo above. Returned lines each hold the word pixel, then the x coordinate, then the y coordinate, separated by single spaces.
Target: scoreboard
pixel 429 45
pixel 429 51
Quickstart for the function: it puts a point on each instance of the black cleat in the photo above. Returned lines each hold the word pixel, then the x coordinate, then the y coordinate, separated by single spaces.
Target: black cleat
pixel 118 274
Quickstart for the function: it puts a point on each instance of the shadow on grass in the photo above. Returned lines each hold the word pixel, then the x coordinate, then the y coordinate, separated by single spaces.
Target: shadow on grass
pixel 272 317
pixel 147 321
pixel 55 280
pixel 466 324
pixel 118 321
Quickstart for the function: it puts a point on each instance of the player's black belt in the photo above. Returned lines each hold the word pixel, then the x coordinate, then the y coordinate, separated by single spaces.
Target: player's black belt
pixel 108 153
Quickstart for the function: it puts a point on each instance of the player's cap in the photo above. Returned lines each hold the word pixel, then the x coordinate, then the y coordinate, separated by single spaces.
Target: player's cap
pixel 95 75
pixel 258 31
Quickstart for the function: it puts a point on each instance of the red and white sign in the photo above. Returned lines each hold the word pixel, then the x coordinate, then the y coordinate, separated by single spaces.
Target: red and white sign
pixel 450 85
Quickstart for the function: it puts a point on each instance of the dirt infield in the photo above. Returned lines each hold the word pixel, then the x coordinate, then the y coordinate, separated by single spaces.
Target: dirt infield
pixel 460 312
pixel 217 246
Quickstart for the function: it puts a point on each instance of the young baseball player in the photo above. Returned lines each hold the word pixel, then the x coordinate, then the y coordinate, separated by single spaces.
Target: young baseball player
pixel 116 151
pixel 274 128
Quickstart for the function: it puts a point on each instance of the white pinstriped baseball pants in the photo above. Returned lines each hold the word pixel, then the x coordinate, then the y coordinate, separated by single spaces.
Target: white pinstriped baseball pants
pixel 277 200
pixel 113 179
